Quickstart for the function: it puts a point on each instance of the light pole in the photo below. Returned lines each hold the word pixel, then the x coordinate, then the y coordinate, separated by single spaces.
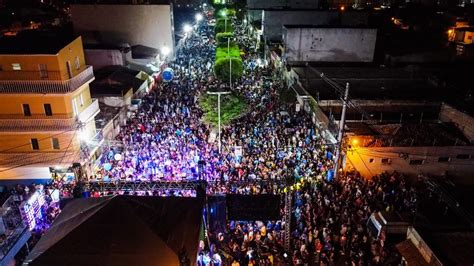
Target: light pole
pixel 223 13
pixel 340 135
pixel 230 63
pixel 219 93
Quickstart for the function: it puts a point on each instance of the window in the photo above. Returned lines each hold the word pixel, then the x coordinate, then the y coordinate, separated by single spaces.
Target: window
pixel 462 156
pixel 74 107
pixel 371 160
pixel 26 109
pixel 16 66
pixel 416 162
pixel 47 109
pixel 43 69
pixel 81 100
pixel 444 159
pixel 34 144
pixel 386 161
pixel 55 143
pixel 77 63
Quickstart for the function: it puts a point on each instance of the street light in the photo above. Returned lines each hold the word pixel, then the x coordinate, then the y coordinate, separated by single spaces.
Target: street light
pixel 219 93
pixel 224 14
pixel 187 28
pixel 165 50
pixel 198 17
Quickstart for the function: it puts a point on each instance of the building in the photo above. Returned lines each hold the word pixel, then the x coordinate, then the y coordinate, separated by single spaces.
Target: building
pixel 319 44
pixel 274 20
pixel 135 24
pixel 282 4
pixel 46 110
pixel 115 87
pixel 424 247
pixel 102 55
pixel 397 120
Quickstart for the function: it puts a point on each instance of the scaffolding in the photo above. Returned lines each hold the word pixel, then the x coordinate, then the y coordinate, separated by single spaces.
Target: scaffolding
pixel 145 186
pixel 287 220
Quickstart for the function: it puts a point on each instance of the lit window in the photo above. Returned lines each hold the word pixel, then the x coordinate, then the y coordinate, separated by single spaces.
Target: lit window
pixel 16 66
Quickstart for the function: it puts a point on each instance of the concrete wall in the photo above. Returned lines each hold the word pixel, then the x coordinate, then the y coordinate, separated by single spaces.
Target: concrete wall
pixel 329 44
pixel 422 247
pixel 149 25
pixel 275 19
pixel 270 4
pixel 462 121
pixel 99 58
pixel 368 160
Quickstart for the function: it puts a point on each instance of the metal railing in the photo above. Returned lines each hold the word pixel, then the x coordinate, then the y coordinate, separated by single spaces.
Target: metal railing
pixel 37 122
pixel 42 85
pixel 89 111
pixel 41 158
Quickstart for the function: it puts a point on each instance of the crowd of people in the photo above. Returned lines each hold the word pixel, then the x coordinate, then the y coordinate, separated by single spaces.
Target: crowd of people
pixel 330 218
pixel 167 140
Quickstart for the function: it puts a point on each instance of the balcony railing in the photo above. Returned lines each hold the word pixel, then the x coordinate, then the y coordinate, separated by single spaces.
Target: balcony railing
pixel 90 111
pixel 16 122
pixel 33 83
pixel 40 158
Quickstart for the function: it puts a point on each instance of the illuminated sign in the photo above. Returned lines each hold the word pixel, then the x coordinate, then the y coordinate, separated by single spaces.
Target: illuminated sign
pixel 31 209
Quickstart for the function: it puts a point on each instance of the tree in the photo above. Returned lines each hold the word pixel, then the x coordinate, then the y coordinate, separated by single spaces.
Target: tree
pixel 222 68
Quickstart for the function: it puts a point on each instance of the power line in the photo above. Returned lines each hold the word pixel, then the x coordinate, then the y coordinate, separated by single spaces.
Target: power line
pixel 340 90
pixel 26 144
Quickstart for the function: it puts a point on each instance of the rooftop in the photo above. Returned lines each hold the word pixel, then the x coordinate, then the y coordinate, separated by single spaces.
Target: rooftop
pixel 115 81
pixel 452 248
pixel 35 42
pixel 413 83
pixel 306 26
pixel 107 113
pixel 410 134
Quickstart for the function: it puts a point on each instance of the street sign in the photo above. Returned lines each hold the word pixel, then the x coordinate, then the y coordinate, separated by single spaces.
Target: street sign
pixel 167 74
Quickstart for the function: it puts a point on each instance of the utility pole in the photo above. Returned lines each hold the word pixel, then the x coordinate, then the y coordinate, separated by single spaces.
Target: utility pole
pixel 219 93
pixel 340 135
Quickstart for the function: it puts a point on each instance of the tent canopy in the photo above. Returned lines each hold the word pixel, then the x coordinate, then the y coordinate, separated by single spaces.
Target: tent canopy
pixel 122 230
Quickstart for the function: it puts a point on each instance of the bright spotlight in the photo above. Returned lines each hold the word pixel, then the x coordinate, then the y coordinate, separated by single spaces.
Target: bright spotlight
pixel 198 17
pixel 187 28
pixel 165 50
pixel 82 135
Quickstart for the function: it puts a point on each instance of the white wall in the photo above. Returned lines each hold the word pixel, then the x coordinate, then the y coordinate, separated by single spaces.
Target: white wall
pixel 368 160
pixel 25 173
pixel 276 19
pixel 149 25
pixel 329 44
